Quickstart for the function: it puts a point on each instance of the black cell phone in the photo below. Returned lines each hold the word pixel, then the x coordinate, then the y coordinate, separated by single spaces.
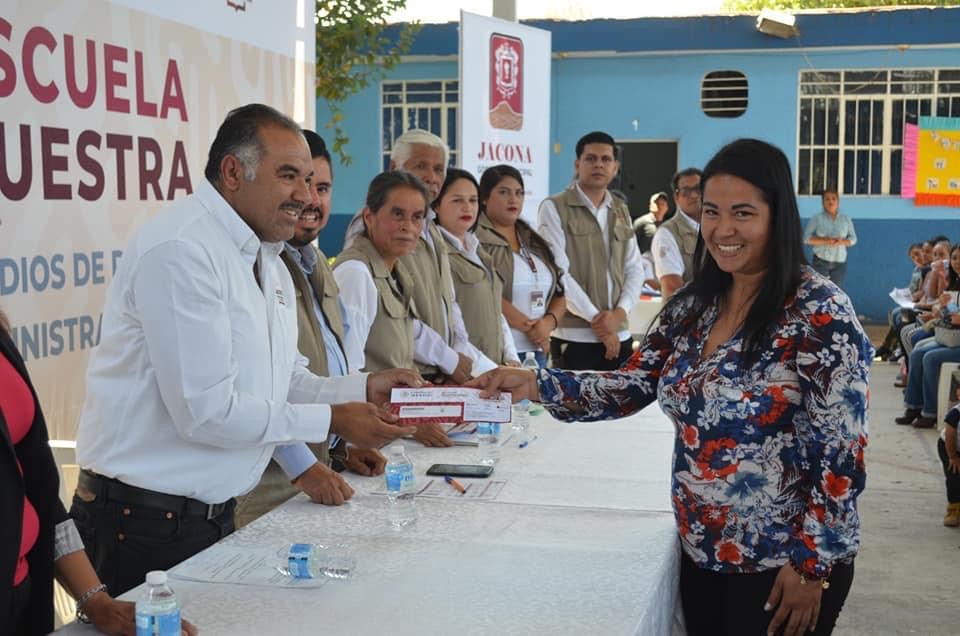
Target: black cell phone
pixel 460 470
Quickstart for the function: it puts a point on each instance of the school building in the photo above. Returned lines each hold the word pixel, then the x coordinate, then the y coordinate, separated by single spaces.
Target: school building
pixel 834 95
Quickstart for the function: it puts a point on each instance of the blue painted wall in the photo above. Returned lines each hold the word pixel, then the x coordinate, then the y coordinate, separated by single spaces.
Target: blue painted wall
pixel 661 91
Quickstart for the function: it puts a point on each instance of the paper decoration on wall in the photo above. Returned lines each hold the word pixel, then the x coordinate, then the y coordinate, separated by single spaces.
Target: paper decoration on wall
pixel 931 162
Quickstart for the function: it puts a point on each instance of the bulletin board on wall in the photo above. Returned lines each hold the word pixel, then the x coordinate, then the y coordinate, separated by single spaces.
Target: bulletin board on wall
pixel 931 162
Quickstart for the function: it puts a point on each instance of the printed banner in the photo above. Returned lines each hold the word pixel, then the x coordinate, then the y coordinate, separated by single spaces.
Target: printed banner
pixel 107 110
pixel 504 114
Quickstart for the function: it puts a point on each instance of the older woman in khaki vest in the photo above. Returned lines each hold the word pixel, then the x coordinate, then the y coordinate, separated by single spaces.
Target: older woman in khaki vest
pixel 377 290
pixel 477 284
pixel 532 299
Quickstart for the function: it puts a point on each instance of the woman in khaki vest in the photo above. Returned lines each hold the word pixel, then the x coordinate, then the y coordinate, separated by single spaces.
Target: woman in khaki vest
pixel 377 291
pixel 532 299
pixel 477 285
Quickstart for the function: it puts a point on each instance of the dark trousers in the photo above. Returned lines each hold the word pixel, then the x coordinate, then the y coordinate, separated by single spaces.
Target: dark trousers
pixel 14 615
pixel 953 479
pixel 127 534
pixel 717 604
pixel 583 356
pixel 833 270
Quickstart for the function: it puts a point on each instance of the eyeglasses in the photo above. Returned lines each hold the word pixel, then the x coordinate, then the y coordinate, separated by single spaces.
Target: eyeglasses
pixel 689 192
pixel 309 215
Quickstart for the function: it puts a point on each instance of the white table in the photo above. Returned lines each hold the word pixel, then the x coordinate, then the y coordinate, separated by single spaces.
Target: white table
pixel 580 541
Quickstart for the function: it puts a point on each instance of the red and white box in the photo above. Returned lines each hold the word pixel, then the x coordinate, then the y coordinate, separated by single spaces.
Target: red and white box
pixel 447 405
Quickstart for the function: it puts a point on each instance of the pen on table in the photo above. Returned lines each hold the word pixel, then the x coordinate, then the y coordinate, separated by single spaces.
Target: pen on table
pixel 526 442
pixel 456 484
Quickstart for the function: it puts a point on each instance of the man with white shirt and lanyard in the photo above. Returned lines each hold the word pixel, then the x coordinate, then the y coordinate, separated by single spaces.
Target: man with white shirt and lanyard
pixel 676 239
pixel 197 381
pixel 592 238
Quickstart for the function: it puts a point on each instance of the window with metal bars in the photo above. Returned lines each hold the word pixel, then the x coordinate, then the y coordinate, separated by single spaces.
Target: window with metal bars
pixel 850 130
pixel 428 105
pixel 724 94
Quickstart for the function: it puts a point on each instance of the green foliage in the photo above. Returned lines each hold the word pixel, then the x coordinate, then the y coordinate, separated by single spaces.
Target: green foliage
pixel 757 5
pixel 354 52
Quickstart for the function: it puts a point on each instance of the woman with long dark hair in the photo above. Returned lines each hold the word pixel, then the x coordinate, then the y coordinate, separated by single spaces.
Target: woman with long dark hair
pixel 477 284
pixel 533 301
pixel 763 367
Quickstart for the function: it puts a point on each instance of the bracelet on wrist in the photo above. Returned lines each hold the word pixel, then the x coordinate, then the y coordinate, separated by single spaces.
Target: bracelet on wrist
pixel 806 577
pixel 86 596
pixel 556 321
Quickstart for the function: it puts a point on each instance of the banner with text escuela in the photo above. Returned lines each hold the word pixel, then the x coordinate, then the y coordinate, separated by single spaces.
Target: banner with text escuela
pixel 107 110
pixel 504 114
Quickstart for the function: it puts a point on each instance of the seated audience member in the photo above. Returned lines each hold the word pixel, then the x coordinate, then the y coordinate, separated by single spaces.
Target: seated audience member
pixel 934 285
pixel 948 447
pixel 477 284
pixel 920 398
pixel 197 382
pixel 320 340
pixel 533 299
pixel 895 315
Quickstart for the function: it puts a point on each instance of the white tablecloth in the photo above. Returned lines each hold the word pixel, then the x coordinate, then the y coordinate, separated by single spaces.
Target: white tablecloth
pixel 580 541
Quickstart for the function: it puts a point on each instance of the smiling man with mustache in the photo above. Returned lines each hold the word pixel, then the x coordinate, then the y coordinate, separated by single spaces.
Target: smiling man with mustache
pixel 197 382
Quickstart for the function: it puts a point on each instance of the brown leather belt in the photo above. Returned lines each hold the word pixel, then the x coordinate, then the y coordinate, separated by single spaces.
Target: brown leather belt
pixel 110 489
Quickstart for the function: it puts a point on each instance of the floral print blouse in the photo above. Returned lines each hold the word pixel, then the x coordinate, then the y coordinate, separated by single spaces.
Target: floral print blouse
pixel 768 457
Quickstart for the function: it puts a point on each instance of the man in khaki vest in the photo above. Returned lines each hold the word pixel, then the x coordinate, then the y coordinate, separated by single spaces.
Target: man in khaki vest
pixel 320 340
pixel 676 239
pixel 592 238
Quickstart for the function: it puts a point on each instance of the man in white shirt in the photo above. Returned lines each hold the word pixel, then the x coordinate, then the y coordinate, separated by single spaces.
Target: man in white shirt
pixel 592 238
pixel 197 381
pixel 676 239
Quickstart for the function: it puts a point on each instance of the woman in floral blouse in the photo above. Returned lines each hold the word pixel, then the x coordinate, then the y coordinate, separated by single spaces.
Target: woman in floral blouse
pixel 763 367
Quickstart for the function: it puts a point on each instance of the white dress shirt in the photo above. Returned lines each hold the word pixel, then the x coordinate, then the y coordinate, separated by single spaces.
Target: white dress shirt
pixel 525 283
pixel 481 362
pixel 667 258
pixel 578 302
pixel 197 380
pixel 361 301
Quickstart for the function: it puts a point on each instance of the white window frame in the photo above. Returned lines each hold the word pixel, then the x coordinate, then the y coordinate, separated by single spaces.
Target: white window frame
pixel 411 109
pixel 886 147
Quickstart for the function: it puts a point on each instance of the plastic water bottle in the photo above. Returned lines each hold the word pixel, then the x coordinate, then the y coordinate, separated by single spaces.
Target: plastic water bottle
pixel 401 488
pixel 521 416
pixel 312 561
pixel 530 362
pixel 157 612
pixel 488 436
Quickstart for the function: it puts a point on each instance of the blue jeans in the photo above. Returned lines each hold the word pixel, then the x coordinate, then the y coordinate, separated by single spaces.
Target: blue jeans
pixel 833 270
pixel 925 361
pixel 538 354
pixel 919 335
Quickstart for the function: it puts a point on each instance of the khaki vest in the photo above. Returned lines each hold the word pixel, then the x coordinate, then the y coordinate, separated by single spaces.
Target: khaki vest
pixel 589 260
pixel 274 487
pixel 429 269
pixel 500 253
pixel 390 341
pixel 686 238
pixel 479 291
